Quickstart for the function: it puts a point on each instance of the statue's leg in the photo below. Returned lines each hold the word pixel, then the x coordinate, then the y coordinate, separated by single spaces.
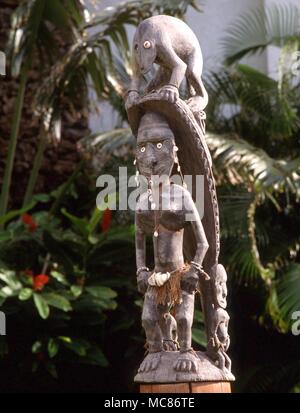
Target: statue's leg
pixel 184 318
pixel 187 361
pixel 150 322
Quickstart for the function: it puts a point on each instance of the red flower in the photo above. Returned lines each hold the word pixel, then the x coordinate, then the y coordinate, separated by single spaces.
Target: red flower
pixel 39 281
pixel 106 220
pixel 29 221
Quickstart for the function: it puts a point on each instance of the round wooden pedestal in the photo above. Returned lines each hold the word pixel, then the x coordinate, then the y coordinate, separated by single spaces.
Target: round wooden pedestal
pixel 200 387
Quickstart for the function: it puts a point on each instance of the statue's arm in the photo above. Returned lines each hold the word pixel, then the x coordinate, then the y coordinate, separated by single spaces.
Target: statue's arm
pixel 201 240
pixel 142 272
pixel 191 278
pixel 140 247
pixel 171 60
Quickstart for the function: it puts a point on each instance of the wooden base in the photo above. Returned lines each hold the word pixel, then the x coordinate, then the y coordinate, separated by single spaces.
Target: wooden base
pixel 199 387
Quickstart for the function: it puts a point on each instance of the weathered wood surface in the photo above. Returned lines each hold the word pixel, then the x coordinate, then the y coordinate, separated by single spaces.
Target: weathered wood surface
pixel 204 387
pixel 206 371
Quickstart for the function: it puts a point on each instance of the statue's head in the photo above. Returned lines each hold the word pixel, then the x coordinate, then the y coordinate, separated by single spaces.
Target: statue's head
pixel 220 287
pixel 144 49
pixel 155 152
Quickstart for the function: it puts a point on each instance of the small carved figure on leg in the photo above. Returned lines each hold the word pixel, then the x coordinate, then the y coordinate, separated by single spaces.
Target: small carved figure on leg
pixel 220 340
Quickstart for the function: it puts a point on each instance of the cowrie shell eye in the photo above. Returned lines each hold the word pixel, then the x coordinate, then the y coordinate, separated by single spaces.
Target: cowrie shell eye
pixel 147 44
pixel 143 149
pixel 159 145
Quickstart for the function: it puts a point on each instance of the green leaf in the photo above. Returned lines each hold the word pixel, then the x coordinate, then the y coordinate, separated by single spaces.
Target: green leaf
pixel 57 301
pixel 59 277
pixel 41 305
pixel 10 278
pixel 199 337
pixel 76 290
pixel 36 347
pixel 41 198
pixel 258 28
pixel 53 347
pixel 7 292
pixel 81 224
pixel 78 346
pixel 101 292
pixel 288 292
pixel 51 368
pixel 25 294
pixel 16 213
pixel 96 357
pixel 96 217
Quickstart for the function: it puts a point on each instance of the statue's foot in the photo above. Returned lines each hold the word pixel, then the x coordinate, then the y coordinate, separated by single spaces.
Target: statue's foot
pixel 150 363
pixel 186 362
pixel 132 99
pixel 169 92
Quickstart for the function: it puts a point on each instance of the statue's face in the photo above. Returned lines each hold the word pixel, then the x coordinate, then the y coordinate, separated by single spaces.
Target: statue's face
pixel 221 287
pixel 155 152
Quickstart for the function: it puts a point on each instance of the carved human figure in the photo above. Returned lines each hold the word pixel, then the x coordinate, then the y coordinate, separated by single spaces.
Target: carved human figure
pixel 170 43
pixel 161 211
pixel 220 340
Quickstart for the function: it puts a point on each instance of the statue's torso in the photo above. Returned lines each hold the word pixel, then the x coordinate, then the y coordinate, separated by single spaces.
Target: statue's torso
pixel 169 221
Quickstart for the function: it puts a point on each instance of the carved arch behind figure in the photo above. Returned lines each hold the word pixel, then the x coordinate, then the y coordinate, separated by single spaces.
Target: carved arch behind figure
pixel 195 159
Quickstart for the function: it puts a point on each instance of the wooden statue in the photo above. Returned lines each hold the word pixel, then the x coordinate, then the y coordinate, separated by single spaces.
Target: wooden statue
pixel 171 140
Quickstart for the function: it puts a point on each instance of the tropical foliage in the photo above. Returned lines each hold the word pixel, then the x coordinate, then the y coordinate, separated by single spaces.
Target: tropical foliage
pixel 67 269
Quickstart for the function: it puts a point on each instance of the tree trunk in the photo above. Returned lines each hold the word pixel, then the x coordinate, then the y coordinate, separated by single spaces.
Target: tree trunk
pixel 59 160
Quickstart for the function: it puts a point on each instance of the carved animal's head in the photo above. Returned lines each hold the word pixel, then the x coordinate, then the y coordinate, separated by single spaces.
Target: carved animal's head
pixel 144 49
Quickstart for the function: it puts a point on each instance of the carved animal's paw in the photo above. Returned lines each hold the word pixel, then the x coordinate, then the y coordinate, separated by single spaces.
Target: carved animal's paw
pixel 196 103
pixel 170 93
pixel 150 363
pixel 186 365
pixel 131 99
pixel 170 345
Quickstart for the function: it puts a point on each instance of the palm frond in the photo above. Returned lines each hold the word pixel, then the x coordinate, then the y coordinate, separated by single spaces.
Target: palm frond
pixel 98 148
pixel 34 28
pixel 279 377
pixel 132 12
pixel 288 293
pixel 252 32
pixel 258 104
pixel 237 161
pixel 92 56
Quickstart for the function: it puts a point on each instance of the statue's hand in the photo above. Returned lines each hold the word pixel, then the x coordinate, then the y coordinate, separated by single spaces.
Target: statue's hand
pixel 142 281
pixel 170 93
pixel 132 98
pixel 190 280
